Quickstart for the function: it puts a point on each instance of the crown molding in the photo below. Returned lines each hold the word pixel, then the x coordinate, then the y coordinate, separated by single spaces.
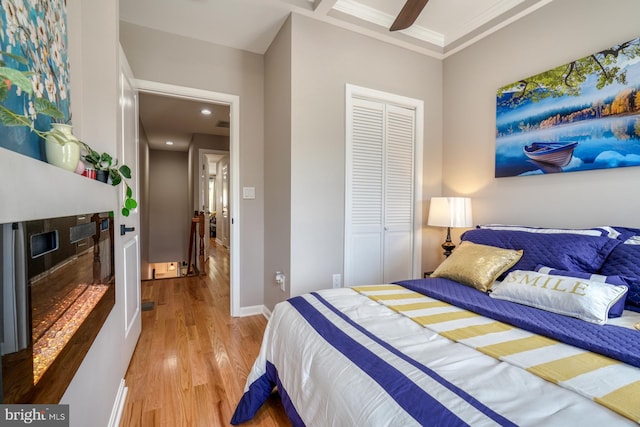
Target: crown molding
pixel 360 11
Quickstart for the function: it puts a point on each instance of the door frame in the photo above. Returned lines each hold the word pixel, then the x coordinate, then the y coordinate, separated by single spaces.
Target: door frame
pixel 351 92
pixel 202 152
pixel 183 92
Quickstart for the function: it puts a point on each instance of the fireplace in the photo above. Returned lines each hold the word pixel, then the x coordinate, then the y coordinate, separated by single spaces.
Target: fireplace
pixel 57 290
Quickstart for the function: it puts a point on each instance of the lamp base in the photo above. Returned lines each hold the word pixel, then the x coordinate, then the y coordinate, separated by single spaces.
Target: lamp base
pixel 448 245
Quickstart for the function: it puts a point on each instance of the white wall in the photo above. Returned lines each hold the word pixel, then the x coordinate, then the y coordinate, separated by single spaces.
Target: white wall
pixel 162 57
pixel 556 34
pixel 169 219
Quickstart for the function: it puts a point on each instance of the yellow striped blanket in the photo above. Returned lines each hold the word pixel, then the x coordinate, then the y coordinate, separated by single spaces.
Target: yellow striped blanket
pixel 607 381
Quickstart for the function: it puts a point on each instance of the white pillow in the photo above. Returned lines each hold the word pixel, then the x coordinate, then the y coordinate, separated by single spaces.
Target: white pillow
pixel 585 299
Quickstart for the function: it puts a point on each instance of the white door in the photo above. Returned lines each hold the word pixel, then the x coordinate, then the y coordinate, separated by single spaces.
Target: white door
pixel 127 249
pixel 382 221
pixel 398 193
pixel 364 203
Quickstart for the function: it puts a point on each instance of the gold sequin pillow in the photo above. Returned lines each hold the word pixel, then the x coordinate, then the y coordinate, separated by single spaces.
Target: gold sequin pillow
pixel 477 265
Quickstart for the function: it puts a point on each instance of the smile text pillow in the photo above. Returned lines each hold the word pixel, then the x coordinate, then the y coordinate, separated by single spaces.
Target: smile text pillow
pixel 570 296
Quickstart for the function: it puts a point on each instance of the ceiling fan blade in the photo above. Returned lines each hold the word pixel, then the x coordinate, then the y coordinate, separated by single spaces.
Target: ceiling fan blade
pixel 408 14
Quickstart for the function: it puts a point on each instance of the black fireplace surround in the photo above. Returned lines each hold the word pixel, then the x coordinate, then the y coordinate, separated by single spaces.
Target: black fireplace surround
pixel 57 278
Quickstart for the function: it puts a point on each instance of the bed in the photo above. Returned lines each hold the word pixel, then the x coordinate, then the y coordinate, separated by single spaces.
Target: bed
pixel 519 326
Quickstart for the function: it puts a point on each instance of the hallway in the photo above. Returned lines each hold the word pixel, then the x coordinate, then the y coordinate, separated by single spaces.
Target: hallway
pixel 191 362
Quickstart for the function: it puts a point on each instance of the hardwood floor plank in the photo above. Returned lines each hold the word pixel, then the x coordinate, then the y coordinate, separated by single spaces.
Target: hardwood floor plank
pixel 192 359
pixel 151 418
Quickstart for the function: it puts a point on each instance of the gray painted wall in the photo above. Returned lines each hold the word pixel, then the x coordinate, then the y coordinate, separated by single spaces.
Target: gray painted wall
pixel 305 142
pixel 277 165
pixel 169 219
pixel 554 35
pixel 324 59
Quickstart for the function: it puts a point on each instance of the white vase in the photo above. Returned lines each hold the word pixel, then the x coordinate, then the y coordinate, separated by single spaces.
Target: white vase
pixel 64 155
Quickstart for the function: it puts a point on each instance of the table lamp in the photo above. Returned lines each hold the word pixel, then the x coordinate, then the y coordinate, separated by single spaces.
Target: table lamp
pixel 450 212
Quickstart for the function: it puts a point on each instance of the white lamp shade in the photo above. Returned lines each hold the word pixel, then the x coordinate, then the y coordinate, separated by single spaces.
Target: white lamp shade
pixel 450 212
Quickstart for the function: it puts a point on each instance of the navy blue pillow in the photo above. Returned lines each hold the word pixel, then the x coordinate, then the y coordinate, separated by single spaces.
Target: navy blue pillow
pixel 627 233
pixel 624 260
pixel 561 251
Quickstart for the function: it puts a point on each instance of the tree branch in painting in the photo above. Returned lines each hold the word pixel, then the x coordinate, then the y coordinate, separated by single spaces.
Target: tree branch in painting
pixel 567 79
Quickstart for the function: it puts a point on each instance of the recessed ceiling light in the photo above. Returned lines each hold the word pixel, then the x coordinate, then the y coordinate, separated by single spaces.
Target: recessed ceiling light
pixel 206 111
pixel 169 142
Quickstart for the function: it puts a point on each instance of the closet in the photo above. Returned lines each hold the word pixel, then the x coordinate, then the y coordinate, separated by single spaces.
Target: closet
pixel 383 172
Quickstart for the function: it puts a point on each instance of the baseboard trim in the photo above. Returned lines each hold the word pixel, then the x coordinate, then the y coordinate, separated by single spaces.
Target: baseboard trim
pixel 255 310
pixel 266 312
pixel 251 310
pixel 118 405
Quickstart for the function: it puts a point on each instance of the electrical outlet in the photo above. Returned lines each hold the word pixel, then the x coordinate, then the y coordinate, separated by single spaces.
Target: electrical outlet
pixel 337 281
pixel 280 280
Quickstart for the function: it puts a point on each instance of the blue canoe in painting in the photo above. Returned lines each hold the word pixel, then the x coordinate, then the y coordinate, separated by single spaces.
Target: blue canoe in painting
pixel 554 153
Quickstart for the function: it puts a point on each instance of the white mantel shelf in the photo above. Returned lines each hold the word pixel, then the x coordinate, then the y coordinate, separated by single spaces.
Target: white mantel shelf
pixel 32 189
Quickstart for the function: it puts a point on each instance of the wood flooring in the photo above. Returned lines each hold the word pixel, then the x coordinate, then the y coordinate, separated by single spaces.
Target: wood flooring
pixel 192 359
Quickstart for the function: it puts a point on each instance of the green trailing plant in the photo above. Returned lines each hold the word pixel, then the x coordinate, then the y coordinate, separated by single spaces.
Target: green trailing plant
pixel 21 80
pixel 118 174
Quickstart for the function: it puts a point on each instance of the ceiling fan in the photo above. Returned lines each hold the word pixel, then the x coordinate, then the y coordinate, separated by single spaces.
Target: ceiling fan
pixel 408 14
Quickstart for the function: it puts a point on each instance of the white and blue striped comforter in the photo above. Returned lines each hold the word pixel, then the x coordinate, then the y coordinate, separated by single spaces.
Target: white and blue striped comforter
pixel 340 358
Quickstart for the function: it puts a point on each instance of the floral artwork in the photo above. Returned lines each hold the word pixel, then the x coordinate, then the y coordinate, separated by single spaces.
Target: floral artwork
pixel 580 116
pixel 37 31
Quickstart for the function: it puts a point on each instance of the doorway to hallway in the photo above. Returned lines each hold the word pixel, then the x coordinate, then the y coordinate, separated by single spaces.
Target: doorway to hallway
pixel 232 101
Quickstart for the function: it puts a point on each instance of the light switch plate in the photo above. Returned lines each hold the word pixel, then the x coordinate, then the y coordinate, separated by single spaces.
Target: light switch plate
pixel 248 192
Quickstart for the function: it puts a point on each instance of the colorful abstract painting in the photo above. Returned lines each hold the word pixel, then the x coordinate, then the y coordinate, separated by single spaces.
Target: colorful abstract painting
pixel 37 31
pixel 580 116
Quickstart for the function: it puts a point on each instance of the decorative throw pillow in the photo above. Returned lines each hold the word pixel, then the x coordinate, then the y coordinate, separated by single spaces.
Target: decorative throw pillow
pixel 580 298
pixel 628 235
pixel 573 252
pixel 623 261
pixel 618 307
pixel 604 230
pixel 476 265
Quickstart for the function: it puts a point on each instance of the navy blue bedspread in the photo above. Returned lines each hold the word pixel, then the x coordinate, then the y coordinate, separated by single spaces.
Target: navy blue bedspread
pixel 613 341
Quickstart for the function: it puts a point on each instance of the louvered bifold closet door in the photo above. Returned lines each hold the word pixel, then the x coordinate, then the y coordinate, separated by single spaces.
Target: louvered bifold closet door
pixel 380 193
pixel 398 193
pixel 364 202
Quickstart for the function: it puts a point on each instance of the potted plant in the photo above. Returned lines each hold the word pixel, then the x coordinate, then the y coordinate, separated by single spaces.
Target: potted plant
pixel 106 166
pixel 59 133
pixel 61 147
pixel 102 163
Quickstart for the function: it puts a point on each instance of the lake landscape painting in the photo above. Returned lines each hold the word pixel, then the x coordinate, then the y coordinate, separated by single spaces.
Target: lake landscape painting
pixel 580 116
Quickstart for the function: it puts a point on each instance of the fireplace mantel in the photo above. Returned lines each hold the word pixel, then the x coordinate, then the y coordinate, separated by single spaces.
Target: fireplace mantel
pixel 35 189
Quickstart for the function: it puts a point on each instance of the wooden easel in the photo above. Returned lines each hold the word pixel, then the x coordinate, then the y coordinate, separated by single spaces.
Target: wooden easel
pixel 197 222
